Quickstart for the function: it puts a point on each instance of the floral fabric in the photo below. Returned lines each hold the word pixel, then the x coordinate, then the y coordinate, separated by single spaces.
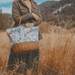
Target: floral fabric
pixel 23 34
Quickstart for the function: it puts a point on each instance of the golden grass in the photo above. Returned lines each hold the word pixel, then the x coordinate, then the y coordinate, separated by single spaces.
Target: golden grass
pixel 57 51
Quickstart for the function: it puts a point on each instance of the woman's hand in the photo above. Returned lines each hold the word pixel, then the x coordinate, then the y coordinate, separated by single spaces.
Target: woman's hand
pixel 36 17
pixel 29 25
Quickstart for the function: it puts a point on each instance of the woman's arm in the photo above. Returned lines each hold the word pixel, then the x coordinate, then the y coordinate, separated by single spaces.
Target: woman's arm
pixel 38 17
pixel 16 13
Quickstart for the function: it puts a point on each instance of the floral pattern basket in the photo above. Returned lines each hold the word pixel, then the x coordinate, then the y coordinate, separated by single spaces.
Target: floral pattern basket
pixel 23 34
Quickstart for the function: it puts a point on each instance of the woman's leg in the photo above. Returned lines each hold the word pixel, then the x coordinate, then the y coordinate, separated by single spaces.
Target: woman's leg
pixel 30 63
pixel 33 62
pixel 11 60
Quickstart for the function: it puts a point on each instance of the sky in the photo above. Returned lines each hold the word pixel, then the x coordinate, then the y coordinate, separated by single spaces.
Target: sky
pixel 6 5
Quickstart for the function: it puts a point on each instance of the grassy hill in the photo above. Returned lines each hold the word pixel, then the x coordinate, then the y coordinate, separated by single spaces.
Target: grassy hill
pixel 47 10
pixel 57 53
pixel 44 4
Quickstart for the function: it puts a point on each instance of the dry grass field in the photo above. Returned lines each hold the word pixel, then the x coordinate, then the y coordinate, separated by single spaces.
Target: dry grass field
pixel 57 51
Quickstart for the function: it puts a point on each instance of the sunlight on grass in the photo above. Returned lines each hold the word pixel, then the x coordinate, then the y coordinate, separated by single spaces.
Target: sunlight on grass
pixel 57 52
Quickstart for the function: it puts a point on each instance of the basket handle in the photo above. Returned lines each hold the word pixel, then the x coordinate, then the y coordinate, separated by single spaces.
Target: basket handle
pixel 19 21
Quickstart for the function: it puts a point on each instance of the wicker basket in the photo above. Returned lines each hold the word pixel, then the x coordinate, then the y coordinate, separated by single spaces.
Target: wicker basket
pixel 25 47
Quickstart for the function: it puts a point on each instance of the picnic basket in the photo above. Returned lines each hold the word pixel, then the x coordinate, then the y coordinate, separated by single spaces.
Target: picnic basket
pixel 24 47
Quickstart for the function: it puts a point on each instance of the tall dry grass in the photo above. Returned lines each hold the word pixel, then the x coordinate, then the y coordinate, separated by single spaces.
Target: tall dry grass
pixel 57 51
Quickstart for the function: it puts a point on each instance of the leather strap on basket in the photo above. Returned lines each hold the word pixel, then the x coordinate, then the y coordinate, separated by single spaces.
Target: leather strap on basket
pixel 19 21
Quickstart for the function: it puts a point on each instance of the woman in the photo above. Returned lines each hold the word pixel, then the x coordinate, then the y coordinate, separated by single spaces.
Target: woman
pixel 31 16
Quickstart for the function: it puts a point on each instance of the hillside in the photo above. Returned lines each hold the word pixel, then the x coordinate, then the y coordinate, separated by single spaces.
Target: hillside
pixel 60 13
pixel 44 4
pixel 63 7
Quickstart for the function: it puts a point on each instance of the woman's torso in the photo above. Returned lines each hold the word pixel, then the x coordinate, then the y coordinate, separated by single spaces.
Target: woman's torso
pixel 23 9
pixel 28 4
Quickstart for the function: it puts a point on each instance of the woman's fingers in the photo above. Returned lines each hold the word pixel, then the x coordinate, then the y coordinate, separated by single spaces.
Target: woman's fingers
pixel 24 25
pixel 29 25
pixel 36 16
